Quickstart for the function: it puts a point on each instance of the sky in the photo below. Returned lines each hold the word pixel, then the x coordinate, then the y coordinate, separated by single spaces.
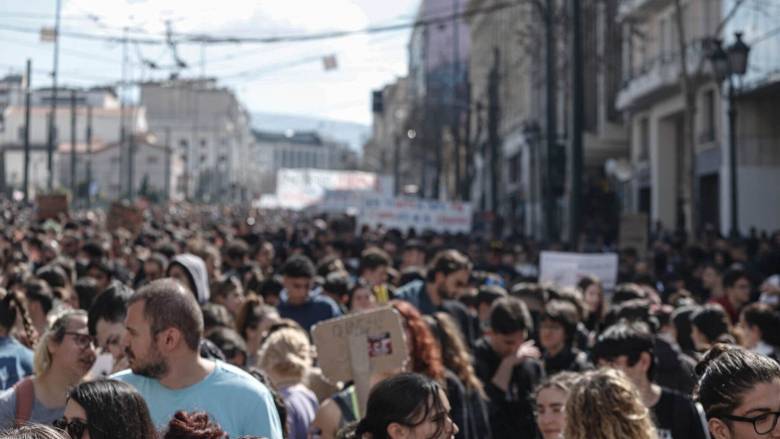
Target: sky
pixel 286 78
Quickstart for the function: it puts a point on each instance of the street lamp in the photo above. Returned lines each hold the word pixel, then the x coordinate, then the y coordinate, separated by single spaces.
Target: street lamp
pixel 726 64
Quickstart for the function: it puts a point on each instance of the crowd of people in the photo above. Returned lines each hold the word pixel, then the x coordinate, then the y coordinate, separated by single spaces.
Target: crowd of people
pixel 197 324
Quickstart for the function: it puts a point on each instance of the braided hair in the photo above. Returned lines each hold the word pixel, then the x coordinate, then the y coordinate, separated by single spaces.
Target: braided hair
pixel 12 307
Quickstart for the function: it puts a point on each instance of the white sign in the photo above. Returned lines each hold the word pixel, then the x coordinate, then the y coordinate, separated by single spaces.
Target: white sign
pixel 299 188
pixel 566 269
pixel 420 214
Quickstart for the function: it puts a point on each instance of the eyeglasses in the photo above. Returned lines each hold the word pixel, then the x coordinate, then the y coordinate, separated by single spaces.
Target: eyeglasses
pixel 82 340
pixel 74 427
pixel 762 424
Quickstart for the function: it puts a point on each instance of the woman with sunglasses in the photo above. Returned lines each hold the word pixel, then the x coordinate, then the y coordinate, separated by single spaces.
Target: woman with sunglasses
pixel 62 358
pixel 106 409
pixel 740 393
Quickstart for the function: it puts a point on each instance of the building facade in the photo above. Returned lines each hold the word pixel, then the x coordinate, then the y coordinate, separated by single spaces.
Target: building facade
pixel 297 150
pixel 655 109
pixel 209 130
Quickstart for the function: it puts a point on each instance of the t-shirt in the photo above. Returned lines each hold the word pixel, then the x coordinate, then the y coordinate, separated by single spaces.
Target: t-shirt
pixel 311 312
pixel 240 404
pixel 301 407
pixel 40 413
pixel 678 417
pixel 16 362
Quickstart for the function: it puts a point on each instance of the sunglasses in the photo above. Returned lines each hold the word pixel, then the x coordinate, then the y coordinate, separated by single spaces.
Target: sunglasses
pixel 75 427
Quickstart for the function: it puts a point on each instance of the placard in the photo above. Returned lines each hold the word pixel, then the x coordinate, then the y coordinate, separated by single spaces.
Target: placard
pixel 355 347
pixel 404 213
pixel 566 269
pixel 122 215
pixel 50 206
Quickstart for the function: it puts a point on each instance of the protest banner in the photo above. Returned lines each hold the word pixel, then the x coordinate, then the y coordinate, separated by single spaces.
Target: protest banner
pixel 566 269
pixel 420 214
pixel 122 215
pixel 50 206
pixel 297 189
pixel 633 232
pixel 360 345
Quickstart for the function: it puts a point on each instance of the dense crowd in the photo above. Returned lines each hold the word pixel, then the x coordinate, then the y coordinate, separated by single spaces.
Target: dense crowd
pixel 197 324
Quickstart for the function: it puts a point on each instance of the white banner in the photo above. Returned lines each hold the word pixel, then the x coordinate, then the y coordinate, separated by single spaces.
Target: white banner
pixel 405 213
pixel 299 188
pixel 566 269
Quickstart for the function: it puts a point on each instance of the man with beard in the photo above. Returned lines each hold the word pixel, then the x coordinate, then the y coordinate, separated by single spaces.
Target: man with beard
pixel 445 281
pixel 164 329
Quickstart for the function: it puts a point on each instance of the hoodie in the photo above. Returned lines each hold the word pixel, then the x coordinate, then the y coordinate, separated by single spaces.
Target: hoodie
pixel 196 270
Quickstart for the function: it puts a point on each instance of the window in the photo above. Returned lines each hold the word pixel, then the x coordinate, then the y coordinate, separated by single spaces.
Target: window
pixel 644 138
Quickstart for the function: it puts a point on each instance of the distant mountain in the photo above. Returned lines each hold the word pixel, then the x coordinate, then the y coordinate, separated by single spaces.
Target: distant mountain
pixel 354 134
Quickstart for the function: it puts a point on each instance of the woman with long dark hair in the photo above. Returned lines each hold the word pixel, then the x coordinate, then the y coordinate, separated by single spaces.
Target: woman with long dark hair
pixel 738 390
pixel 408 405
pixel 106 409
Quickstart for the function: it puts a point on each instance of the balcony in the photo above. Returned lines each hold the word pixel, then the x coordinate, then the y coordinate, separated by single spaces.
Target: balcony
pixel 639 9
pixel 658 76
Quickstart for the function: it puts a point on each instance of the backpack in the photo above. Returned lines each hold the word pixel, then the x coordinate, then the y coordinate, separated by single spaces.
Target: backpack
pixel 25 397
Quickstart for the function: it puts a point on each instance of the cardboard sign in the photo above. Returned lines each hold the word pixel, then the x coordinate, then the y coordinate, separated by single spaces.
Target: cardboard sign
pixel 360 345
pixel 566 269
pixel 633 232
pixel 124 216
pixel 51 206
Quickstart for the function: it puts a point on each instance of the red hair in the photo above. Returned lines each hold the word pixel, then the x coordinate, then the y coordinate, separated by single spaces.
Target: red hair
pixel 425 355
pixel 193 426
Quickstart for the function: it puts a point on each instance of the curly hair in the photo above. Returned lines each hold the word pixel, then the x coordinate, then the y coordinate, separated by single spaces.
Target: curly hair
pixel 603 404
pixel 196 425
pixel 455 354
pixel 425 354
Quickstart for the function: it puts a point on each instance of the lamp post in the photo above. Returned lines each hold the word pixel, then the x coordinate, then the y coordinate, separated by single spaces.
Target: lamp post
pixel 725 64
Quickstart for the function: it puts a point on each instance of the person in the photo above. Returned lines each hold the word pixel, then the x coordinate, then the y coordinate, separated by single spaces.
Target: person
pixel 164 331
pixel 593 295
pixel 229 293
pixel 630 348
pixel 300 305
pixel 736 292
pixel 457 359
pixel 711 283
pixel 16 360
pixel 190 271
pixel 759 323
pixel 107 323
pixel 550 402
pixel 154 267
pixel 286 358
pixel 40 302
pixel 709 325
pixel 106 409
pixel 361 298
pixel 681 319
pixel 33 431
pixel 446 280
pixel 196 425
pixel 252 323
pixel 374 264
pixel 413 255
pixel 408 405
pixel 738 390
pixel 557 331
pixel 507 365
pixel 486 295
pixel 232 346
pixel 603 404
pixel 63 356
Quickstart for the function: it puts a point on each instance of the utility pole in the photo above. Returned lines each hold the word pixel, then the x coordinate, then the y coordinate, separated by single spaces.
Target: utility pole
pixel 28 80
pixel 73 185
pixel 122 109
pixel 168 152
pixel 53 114
pixel 89 155
pixel 550 223
pixel 397 165
pixel 578 108
pixel 455 101
pixel 493 140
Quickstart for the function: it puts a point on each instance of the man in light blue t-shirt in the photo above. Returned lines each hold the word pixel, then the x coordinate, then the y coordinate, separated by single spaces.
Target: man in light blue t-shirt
pixel 164 329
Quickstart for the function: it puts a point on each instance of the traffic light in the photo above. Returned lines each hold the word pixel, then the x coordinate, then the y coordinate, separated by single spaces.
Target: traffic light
pixel 558 170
